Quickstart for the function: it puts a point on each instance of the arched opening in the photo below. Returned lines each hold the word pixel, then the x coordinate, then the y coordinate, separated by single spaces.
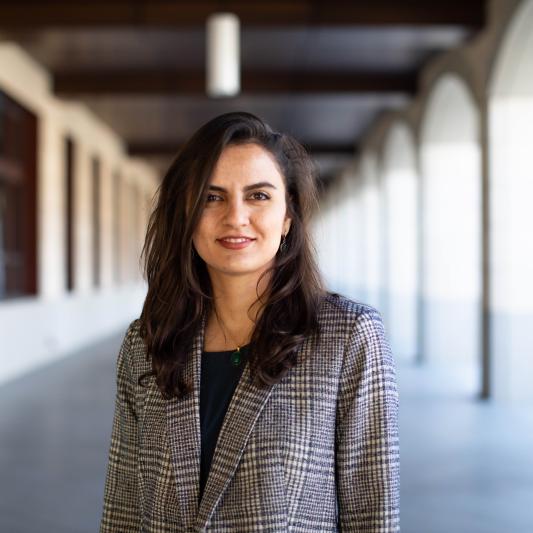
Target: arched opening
pixel 400 188
pixel 337 234
pixel 510 118
pixel 450 159
pixel 328 237
pixel 347 231
pixel 371 204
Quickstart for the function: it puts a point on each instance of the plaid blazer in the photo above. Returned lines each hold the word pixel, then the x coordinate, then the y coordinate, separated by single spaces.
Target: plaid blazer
pixel 318 451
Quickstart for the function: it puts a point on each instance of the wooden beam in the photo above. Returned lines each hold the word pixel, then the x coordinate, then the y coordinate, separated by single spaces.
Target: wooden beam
pixel 36 14
pixel 161 82
pixel 164 149
pixel 331 149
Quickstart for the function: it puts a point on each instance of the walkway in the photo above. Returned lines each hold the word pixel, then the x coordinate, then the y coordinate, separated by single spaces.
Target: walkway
pixel 467 466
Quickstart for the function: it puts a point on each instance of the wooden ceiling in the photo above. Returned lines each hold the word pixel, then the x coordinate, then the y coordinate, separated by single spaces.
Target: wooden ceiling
pixel 322 71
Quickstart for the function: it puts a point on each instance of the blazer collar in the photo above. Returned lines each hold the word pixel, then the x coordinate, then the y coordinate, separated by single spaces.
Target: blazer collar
pixel 183 424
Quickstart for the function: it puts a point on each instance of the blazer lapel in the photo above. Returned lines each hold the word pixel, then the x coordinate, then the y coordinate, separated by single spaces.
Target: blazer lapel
pixel 183 420
pixel 243 411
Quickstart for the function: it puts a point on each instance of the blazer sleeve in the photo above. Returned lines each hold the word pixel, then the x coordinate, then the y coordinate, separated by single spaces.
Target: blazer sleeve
pixel 367 448
pixel 121 509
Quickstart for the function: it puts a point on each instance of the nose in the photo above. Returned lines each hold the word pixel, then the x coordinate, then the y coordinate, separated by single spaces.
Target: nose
pixel 236 214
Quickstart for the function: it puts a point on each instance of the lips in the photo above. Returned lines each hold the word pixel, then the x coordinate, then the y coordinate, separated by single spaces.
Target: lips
pixel 236 239
pixel 235 243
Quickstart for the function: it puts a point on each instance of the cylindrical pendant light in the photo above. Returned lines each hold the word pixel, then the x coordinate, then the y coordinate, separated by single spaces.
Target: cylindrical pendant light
pixel 223 55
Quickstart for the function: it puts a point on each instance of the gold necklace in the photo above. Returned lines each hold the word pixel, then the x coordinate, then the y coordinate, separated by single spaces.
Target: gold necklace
pixel 235 357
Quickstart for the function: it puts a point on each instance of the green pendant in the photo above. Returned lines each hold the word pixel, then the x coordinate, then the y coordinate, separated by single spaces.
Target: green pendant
pixel 236 358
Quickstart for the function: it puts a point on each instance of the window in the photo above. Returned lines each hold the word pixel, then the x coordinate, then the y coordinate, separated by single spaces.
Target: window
pixel 116 226
pixel 18 261
pixel 69 212
pixel 96 220
pixel 135 212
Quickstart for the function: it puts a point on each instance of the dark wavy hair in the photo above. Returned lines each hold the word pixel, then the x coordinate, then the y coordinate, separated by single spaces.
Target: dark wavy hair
pixel 179 289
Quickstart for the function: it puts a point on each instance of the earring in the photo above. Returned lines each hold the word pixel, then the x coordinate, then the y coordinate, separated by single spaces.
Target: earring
pixel 283 245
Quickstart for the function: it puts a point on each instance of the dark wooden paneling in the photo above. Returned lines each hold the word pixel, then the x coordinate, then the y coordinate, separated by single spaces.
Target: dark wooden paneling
pixel 169 13
pixel 151 149
pixel 161 82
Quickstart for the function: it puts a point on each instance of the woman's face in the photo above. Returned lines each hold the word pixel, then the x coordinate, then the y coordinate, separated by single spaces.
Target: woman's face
pixel 244 213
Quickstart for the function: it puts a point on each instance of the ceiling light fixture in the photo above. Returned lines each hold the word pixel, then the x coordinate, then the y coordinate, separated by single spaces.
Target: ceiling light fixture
pixel 223 55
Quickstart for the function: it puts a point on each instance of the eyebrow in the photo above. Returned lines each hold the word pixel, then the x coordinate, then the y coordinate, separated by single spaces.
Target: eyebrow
pixel 258 185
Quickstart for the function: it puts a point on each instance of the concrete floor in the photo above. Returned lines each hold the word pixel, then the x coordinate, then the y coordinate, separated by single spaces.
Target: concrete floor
pixel 466 466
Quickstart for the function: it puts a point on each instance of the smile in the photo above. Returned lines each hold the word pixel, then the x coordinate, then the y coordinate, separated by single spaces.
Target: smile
pixel 235 243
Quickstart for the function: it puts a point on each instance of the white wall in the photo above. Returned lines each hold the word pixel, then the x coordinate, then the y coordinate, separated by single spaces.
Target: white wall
pixel 451 223
pixel 478 149
pixel 400 188
pixel 325 233
pixel 511 222
pixel 339 236
pixel 37 330
pixel 372 203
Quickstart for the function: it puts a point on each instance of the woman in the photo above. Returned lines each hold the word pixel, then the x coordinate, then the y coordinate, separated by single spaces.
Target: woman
pixel 248 397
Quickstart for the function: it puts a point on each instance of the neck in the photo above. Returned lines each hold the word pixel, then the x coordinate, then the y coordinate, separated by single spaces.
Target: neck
pixel 236 303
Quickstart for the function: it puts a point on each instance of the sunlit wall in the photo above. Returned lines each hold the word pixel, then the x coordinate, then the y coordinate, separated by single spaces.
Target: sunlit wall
pixel 511 199
pixel 372 228
pixel 63 319
pixel 451 224
pixel 338 233
pixel 400 189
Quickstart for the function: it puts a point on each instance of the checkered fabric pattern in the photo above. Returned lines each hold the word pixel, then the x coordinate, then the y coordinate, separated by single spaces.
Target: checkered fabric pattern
pixel 316 452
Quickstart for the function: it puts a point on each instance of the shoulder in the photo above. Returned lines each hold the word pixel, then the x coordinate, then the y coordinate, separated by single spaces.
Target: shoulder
pixel 133 350
pixel 132 335
pixel 338 314
pixel 132 331
pixel 351 336
pixel 359 327
pixel 345 305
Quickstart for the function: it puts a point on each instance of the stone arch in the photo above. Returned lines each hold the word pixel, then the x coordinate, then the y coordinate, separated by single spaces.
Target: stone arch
pixel 510 134
pixel 451 178
pixel 400 190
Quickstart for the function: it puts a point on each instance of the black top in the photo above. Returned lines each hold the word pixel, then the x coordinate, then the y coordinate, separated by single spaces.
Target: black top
pixel 218 380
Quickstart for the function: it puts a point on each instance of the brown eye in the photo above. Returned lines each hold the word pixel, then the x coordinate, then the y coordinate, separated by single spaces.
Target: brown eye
pixel 212 198
pixel 260 196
